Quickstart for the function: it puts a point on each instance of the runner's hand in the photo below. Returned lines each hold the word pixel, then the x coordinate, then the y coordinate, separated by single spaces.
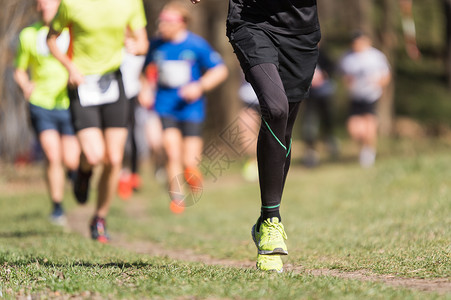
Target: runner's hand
pixel 75 77
pixel 191 92
pixel 131 46
pixel 195 1
pixel 28 90
pixel 146 98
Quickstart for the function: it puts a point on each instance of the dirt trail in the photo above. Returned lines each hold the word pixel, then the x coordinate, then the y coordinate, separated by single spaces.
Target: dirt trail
pixel 79 218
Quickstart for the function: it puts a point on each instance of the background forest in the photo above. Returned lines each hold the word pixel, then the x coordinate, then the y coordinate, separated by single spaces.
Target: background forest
pixel 417 103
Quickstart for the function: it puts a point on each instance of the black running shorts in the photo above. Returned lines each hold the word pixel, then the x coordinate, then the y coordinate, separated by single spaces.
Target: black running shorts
pixel 187 128
pixel 362 108
pixel 111 115
pixel 295 56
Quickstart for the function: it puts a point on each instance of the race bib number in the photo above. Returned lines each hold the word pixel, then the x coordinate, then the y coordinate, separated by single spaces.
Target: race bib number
pixel 174 73
pixel 98 90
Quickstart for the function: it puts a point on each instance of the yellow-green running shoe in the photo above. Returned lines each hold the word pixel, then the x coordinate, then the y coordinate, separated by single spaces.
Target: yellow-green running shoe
pixel 270 237
pixel 270 263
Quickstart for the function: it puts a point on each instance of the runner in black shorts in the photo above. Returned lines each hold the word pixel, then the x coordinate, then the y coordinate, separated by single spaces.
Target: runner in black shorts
pixel 276 44
pixel 114 114
pixel 187 67
pixel 98 102
pixel 366 73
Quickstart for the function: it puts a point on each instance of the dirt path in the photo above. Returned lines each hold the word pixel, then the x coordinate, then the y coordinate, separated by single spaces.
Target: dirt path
pixel 79 218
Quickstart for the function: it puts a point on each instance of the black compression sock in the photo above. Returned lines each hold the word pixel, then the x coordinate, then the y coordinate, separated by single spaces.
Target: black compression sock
pixel 265 214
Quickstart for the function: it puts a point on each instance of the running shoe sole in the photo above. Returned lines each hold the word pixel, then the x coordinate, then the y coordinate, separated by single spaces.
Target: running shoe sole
pixel 270 263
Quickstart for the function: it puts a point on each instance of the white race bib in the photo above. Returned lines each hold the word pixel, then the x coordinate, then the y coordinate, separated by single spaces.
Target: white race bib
pixel 174 73
pixel 98 90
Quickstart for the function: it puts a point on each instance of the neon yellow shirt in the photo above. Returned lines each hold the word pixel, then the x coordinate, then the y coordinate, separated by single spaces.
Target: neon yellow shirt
pixel 97 30
pixel 47 73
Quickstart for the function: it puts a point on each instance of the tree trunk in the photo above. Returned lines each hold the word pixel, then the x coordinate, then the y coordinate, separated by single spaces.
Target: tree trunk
pixel 387 44
pixel 364 17
pixel 15 134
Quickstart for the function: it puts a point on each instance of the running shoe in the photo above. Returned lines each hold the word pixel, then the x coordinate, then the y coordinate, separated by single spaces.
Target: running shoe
pixel 194 179
pixel 270 237
pixel 269 263
pixel 124 186
pixel 98 230
pixel 57 217
pixel 177 206
pixel 81 186
pixel 135 181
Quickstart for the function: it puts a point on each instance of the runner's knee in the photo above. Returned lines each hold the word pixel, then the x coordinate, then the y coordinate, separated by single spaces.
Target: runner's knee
pixel 94 158
pixel 274 112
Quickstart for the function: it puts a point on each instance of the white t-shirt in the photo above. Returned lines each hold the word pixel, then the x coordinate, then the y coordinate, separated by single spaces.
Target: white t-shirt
pixel 365 70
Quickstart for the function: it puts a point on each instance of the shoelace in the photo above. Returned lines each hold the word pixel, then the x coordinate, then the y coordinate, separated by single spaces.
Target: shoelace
pixel 275 230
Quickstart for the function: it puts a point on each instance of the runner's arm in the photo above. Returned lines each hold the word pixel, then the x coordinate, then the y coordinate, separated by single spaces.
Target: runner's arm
pixel 136 42
pixel 24 82
pixel 211 79
pixel 75 76
pixel 146 96
pixel 385 80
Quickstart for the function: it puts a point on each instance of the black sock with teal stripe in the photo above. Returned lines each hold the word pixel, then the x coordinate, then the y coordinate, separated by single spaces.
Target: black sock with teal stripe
pixel 270 212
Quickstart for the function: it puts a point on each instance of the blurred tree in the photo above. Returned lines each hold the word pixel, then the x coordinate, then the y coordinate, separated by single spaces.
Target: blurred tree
pixel 15 135
pixel 363 15
pixel 380 18
pixel 386 33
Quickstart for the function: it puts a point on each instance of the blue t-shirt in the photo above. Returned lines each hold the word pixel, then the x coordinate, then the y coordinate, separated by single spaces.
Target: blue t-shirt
pixel 178 64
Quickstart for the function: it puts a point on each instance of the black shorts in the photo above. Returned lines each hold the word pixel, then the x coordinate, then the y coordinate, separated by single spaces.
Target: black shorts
pixel 186 127
pixel 362 108
pixel 295 56
pixel 111 115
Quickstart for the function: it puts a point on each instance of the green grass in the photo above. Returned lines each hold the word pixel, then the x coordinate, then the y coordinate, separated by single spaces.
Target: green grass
pixel 393 219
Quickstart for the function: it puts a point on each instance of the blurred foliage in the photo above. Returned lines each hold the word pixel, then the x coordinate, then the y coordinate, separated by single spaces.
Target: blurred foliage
pixel 420 90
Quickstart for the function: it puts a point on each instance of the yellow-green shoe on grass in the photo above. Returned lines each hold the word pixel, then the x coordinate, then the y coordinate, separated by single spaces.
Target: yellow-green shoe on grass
pixel 269 263
pixel 270 237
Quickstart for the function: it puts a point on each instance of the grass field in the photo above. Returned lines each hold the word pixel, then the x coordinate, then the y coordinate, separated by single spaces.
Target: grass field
pixel 381 233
